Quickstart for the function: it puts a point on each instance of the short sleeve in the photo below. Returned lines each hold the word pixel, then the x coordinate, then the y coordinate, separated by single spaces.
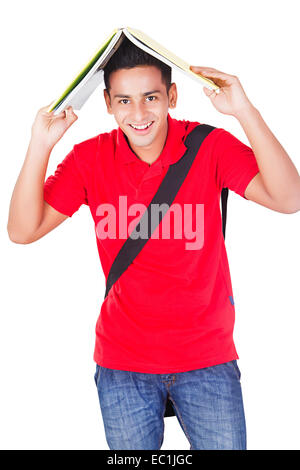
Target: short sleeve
pixel 65 190
pixel 235 163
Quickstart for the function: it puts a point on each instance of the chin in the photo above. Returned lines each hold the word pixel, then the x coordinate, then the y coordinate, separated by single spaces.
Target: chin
pixel 142 141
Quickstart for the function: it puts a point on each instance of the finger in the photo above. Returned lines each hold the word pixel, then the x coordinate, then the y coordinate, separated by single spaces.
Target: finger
pixel 211 72
pixel 48 105
pixel 215 73
pixel 69 111
pixel 60 115
pixel 201 67
pixel 198 68
pixel 65 113
pixel 70 115
pixel 209 93
pixel 219 77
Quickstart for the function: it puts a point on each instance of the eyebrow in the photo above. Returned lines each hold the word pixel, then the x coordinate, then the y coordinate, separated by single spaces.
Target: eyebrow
pixel 144 94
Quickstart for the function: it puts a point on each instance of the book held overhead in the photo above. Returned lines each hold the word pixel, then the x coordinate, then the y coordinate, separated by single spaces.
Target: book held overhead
pixel 91 75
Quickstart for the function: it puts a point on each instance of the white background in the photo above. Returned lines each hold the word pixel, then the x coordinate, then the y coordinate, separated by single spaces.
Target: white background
pixel 52 290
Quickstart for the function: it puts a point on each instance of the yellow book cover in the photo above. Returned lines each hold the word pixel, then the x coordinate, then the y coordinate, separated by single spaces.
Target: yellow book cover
pixel 172 58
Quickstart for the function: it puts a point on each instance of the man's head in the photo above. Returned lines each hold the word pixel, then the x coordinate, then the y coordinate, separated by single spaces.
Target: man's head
pixel 139 91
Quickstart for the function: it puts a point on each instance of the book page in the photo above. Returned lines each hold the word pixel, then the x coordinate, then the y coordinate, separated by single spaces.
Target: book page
pixel 91 67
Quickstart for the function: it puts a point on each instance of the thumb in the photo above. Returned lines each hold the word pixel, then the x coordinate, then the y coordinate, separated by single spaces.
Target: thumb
pixel 207 91
pixel 70 115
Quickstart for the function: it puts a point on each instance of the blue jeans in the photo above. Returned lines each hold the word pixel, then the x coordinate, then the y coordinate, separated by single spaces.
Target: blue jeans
pixel 208 404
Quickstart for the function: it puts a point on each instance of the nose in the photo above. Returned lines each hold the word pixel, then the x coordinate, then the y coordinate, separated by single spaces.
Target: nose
pixel 139 115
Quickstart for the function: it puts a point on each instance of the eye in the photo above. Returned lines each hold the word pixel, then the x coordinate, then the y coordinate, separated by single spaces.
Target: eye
pixel 152 97
pixel 124 99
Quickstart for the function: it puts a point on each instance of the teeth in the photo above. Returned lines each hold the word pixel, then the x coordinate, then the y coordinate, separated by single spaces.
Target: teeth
pixel 141 127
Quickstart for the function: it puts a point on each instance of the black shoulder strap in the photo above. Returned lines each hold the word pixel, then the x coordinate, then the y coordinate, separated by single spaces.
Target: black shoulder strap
pixel 165 194
pixel 224 197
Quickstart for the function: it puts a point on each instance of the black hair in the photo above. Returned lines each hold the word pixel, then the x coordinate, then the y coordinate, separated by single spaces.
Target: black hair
pixel 128 55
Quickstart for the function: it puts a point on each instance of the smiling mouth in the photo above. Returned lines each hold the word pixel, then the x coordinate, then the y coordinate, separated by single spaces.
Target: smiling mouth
pixel 142 129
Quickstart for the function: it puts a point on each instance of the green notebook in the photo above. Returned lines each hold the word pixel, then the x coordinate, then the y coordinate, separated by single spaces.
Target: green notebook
pixel 91 75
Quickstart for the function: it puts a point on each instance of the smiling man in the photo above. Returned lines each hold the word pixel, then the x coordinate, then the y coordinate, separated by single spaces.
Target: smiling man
pixel 142 116
pixel 165 329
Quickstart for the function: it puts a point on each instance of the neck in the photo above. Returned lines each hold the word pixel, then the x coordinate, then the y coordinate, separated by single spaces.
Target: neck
pixel 151 153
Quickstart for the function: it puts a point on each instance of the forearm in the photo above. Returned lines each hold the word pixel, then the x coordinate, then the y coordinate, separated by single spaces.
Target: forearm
pixel 27 202
pixel 279 174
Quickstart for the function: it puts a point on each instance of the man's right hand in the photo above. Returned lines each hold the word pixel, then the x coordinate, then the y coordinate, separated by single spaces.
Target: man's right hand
pixel 48 128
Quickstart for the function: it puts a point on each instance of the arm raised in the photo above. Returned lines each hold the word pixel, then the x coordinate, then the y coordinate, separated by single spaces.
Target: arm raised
pixel 30 217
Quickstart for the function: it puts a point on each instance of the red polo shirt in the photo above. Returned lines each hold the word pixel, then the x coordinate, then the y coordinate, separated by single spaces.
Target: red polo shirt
pixel 172 310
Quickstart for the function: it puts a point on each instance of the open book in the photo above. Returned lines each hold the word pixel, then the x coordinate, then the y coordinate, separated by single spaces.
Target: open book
pixel 87 80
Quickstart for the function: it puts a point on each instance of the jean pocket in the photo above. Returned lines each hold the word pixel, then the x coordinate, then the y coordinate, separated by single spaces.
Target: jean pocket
pixel 235 366
pixel 96 376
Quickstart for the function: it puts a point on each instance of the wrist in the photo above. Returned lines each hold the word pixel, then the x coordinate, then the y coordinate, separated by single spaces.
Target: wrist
pixel 38 144
pixel 247 110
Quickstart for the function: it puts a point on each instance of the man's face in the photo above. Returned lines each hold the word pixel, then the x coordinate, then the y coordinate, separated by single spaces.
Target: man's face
pixel 139 97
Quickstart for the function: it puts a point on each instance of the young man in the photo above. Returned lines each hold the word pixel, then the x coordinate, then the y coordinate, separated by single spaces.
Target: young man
pixel 165 328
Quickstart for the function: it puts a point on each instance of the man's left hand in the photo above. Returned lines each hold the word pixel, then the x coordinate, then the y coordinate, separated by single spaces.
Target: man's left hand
pixel 231 97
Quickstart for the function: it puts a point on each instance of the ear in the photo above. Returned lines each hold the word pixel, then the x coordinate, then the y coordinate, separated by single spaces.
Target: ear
pixel 107 101
pixel 172 95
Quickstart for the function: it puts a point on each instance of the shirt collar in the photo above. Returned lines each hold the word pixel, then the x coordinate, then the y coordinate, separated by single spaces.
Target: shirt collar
pixel 173 150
